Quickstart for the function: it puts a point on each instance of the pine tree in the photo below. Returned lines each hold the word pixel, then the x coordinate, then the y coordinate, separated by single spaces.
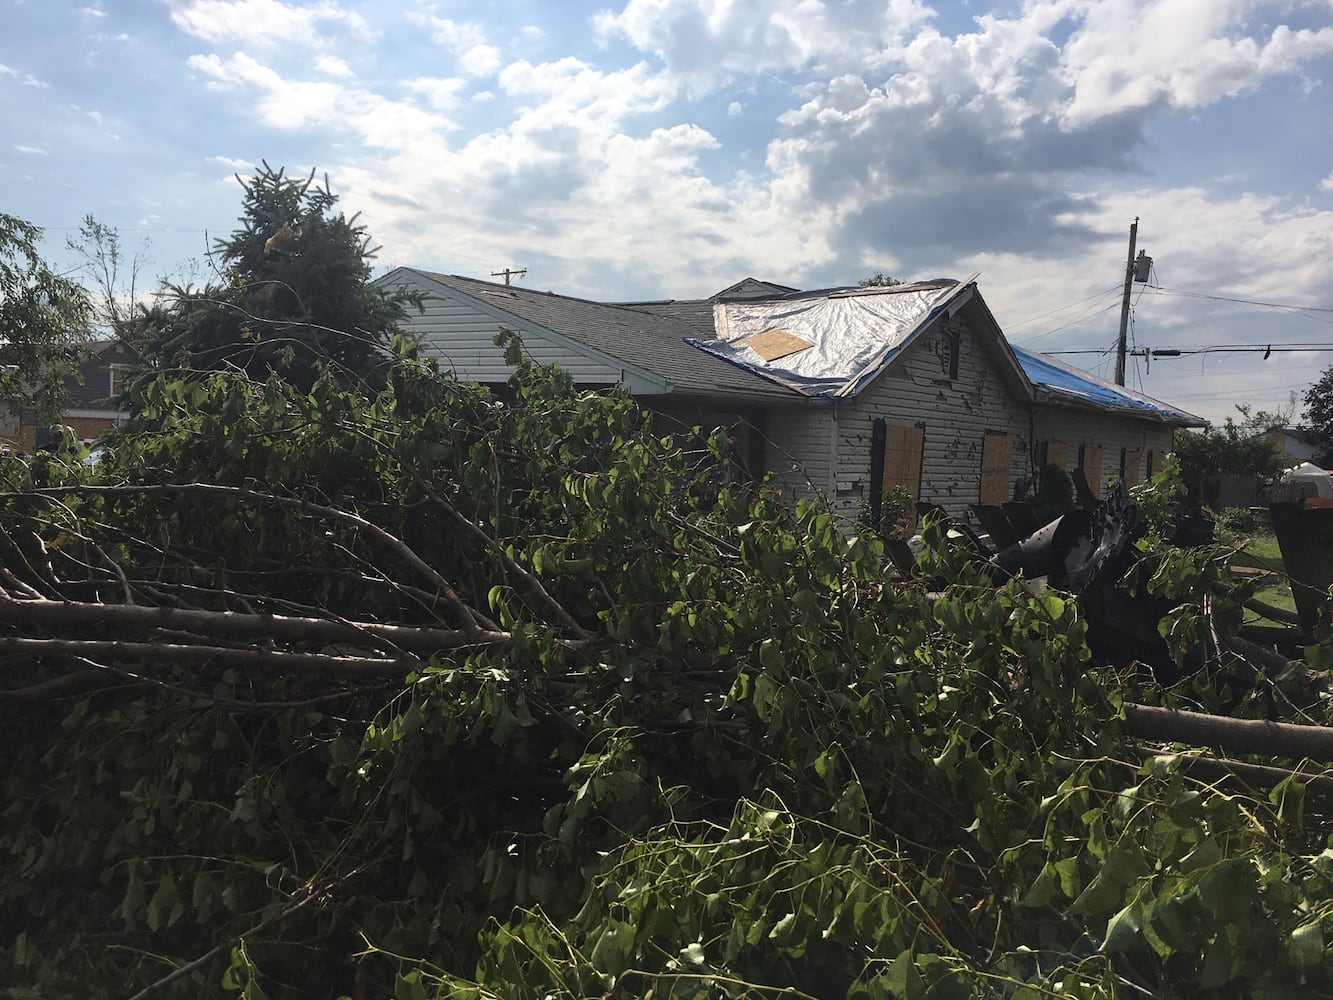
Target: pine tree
pixel 294 295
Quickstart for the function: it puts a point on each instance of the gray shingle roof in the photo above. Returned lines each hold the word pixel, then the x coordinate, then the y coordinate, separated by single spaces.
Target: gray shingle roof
pixel 636 336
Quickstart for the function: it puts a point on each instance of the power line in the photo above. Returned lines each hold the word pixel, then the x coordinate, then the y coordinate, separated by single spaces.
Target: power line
pixel 1247 302
pixel 1069 305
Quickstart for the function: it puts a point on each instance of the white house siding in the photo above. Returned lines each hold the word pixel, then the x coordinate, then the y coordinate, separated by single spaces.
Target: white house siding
pixel 799 448
pixel 1088 429
pixel 462 338
pixel 956 414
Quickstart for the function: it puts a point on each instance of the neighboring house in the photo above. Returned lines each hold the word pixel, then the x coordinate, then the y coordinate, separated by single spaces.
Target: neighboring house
pixel 89 410
pixel 1296 445
pixel 842 392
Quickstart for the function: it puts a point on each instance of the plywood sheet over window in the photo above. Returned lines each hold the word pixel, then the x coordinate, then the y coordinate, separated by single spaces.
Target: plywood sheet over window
pixel 1056 453
pixel 1092 469
pixel 995 453
pixel 1130 471
pixel 774 344
pixel 903 448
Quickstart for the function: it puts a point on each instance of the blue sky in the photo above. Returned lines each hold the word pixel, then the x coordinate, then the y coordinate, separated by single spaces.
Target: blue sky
pixel 626 149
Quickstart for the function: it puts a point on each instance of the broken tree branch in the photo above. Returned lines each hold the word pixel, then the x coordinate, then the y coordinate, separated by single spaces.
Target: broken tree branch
pixel 1275 739
pixel 347 667
pixel 463 615
pixel 234 625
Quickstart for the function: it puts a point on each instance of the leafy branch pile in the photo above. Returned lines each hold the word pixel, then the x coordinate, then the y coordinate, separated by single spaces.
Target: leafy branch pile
pixel 427 693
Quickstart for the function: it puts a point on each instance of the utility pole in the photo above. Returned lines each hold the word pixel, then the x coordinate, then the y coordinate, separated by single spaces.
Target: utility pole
pixel 1135 270
pixel 510 272
pixel 1124 307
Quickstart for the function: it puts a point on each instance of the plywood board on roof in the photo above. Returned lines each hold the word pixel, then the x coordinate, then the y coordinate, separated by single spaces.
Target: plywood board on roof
pixel 773 344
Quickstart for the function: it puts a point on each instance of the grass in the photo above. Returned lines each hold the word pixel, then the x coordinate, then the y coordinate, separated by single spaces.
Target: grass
pixel 1261 552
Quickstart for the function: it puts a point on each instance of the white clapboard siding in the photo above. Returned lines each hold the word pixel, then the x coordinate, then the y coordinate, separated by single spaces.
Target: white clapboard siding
pixel 1079 429
pixel 462 338
pixel 956 414
pixel 798 450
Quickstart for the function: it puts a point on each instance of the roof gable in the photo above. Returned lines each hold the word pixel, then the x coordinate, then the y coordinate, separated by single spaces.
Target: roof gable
pixel 854 334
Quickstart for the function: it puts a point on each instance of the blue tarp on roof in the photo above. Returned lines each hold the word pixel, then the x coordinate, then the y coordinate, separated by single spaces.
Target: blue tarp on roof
pixel 1072 383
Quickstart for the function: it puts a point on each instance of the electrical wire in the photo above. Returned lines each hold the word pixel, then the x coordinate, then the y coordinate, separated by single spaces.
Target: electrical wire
pixel 1247 302
pixel 1050 312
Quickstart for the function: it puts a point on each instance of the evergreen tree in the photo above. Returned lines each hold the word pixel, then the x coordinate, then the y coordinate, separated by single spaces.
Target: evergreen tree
pixel 294 297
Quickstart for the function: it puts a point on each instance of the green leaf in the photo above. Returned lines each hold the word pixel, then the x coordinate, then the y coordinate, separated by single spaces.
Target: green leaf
pixel 1042 890
pixel 1122 930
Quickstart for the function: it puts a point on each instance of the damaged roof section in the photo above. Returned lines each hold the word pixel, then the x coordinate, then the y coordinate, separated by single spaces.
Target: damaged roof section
pixel 1065 383
pixel 827 343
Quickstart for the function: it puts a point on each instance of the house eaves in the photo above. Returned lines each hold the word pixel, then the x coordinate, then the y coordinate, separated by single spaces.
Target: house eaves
pixel 1063 385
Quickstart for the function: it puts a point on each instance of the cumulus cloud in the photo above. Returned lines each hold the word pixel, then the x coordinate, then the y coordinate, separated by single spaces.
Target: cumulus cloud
pixel 1327 183
pixel 710 41
pixel 264 23
pixel 288 103
pixel 468 43
pixel 440 92
pixel 332 66
pixel 1181 53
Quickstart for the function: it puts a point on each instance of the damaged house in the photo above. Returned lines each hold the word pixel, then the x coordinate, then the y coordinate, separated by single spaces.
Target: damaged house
pixel 842 393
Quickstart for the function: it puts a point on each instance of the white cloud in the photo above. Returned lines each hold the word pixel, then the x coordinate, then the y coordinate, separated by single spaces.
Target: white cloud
pixel 1327 183
pixel 440 92
pixel 533 33
pixel 734 108
pixel 264 23
pixel 233 163
pixel 332 66
pixel 710 41
pixel 31 150
pixel 287 103
pixel 468 42
pixel 1182 53
pixel 23 79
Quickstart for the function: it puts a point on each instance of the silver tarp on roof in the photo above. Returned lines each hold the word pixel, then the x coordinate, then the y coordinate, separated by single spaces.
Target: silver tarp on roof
pixel 851 334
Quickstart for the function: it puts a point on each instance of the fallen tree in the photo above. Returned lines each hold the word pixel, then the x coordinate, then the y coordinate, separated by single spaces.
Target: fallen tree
pixel 428 693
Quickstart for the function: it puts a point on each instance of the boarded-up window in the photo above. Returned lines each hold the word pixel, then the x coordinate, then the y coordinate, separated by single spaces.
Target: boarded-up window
pixel 1092 468
pixel 995 452
pixel 903 447
pixel 1129 466
pixel 1055 453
